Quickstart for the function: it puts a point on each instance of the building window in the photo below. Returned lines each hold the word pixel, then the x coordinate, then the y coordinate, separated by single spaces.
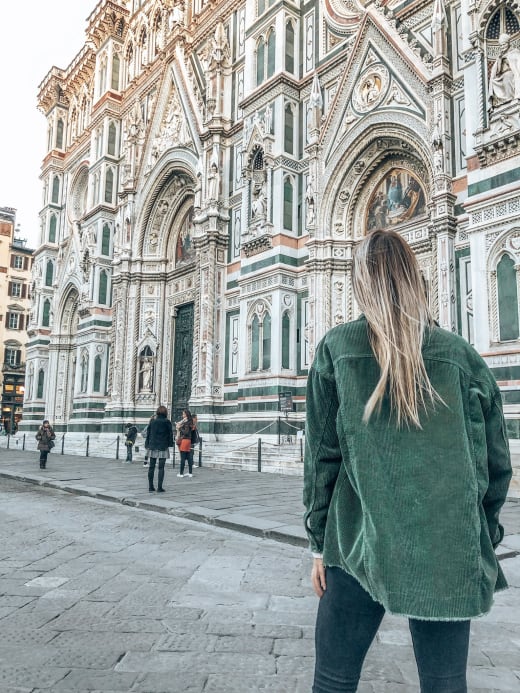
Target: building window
pixel 84 372
pixel 507 299
pixel 15 289
pixel 46 313
pixel 261 342
pixel 289 130
pixel 289 47
pixel 105 240
pixel 41 381
pixel 14 321
pixel 59 134
pixel 288 204
pixel 260 60
pixel 116 66
pixel 52 229
pixel 97 374
pixel 112 132
pixel 55 190
pixel 286 341
pixel 109 185
pixel 17 262
pixel 103 287
pixel 271 53
pixel 49 273
pixel 13 356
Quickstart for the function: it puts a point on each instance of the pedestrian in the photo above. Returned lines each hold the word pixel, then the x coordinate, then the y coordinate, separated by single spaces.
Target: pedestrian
pixel 184 430
pixel 159 438
pixel 195 440
pixel 406 468
pixel 131 436
pixel 45 437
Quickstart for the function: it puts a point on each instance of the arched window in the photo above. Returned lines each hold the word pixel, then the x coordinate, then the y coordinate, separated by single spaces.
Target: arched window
pixel 112 134
pixel 157 33
pixel 109 185
pixel 271 53
pixel 289 47
pixel 260 342
pixel 255 344
pixel 49 273
pixel 260 7
pixel 105 240
pixel 103 76
pixel 46 313
pixel 103 288
pixel 286 341
pixel 41 382
pixel 266 342
pixel 507 299
pixel 97 374
pixel 129 63
pixel 288 198
pixel 52 228
pixel 59 134
pixel 260 61
pixel 289 130
pixel 503 21
pixel 116 66
pixel 55 190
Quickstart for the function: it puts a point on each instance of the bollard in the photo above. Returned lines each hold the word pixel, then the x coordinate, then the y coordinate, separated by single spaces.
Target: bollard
pixel 259 464
pixel 173 455
pixel 117 448
pixel 301 449
pixel 88 443
pixel 62 443
pixel 23 443
pixel 200 451
pixel 8 440
pixel 279 430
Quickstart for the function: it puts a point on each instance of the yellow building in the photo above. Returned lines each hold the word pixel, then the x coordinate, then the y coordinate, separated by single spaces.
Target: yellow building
pixel 15 277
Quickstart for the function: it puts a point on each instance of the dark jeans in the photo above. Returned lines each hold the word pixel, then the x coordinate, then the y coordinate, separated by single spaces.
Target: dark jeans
pixel 348 620
pixel 186 457
pixel 151 471
pixel 129 452
pixel 43 458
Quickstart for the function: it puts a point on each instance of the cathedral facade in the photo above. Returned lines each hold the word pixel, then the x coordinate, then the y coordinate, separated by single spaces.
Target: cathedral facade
pixel 209 169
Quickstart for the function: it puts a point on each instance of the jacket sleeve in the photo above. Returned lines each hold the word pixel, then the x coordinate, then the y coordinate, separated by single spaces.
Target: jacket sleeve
pixel 499 466
pixel 322 451
pixel 170 435
pixel 147 439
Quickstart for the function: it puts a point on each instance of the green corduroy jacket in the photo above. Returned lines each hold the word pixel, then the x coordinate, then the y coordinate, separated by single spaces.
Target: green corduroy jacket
pixel 411 514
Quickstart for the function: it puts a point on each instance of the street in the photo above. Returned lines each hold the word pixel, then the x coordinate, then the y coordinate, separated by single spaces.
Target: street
pixel 96 596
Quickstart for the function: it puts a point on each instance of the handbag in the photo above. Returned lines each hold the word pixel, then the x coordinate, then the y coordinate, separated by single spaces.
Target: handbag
pixel 185 445
pixel 51 444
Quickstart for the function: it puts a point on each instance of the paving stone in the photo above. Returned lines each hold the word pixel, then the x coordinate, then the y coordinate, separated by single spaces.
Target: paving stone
pixel 89 680
pixel 185 662
pixel 268 684
pixel 244 644
pixel 186 642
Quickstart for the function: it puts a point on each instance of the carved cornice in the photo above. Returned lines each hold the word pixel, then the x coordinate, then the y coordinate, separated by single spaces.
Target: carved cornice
pixel 109 19
pixel 257 245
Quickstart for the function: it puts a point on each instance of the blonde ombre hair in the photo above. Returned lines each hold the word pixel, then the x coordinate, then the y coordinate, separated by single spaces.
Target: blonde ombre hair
pixel 390 291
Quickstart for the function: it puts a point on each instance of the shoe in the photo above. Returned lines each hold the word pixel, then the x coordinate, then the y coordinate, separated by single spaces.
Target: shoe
pixel 180 475
pixel 151 490
pixel 145 464
pixel 190 475
pixel 161 490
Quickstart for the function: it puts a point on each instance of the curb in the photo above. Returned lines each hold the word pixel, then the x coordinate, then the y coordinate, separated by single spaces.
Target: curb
pixel 160 506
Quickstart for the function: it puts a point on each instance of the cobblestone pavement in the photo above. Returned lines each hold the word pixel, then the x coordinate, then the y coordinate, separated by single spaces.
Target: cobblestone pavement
pixel 101 596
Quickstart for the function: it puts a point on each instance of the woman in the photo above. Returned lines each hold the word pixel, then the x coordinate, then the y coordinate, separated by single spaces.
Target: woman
pixel 159 437
pixel 45 438
pixel 184 430
pixel 406 469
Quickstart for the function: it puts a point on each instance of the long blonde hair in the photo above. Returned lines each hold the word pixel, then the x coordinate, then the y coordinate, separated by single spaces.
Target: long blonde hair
pixel 390 291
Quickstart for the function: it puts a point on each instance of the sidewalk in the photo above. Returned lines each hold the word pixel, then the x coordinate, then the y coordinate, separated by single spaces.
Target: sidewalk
pixel 263 504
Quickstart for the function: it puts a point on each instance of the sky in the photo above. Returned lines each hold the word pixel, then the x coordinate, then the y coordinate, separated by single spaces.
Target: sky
pixel 34 37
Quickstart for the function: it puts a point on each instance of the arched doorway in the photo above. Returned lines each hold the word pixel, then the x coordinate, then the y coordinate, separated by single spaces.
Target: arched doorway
pixel 66 359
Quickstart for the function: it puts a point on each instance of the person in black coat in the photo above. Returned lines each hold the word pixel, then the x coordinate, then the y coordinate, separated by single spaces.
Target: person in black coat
pixel 159 437
pixel 131 435
pixel 45 438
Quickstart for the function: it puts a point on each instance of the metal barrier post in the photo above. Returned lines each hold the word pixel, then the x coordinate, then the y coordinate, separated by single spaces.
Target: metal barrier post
pixel 301 449
pixel 88 444
pixel 279 430
pixel 23 444
pixel 259 464
pixel 200 451
pixel 117 448
pixel 8 440
pixel 173 455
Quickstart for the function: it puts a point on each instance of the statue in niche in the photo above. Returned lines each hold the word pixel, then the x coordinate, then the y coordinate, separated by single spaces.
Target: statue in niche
pixel 184 251
pixel 309 200
pixel 213 181
pixel 504 80
pixel 258 206
pixel 146 370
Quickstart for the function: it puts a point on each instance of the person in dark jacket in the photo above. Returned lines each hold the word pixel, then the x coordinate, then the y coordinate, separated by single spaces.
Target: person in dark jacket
pixel 45 438
pixel 159 437
pixel 131 435
pixel 184 432
pixel 406 468
pixel 195 440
